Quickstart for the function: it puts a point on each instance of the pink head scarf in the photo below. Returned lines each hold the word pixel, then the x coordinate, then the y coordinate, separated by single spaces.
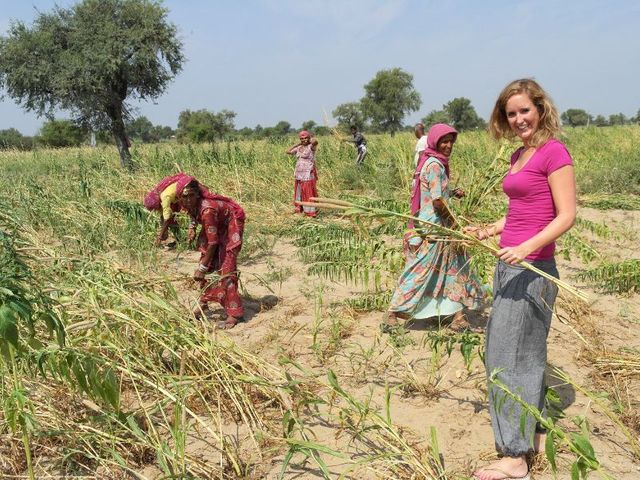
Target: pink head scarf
pixel 304 134
pixel 152 199
pixel 436 132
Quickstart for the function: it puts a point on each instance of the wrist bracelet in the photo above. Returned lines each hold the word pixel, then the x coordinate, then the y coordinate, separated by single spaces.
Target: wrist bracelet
pixel 203 268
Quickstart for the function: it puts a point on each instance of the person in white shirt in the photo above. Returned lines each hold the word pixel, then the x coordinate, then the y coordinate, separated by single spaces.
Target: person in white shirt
pixel 421 144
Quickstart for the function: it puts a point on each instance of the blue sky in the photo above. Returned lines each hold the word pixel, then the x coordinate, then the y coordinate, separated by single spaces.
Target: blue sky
pixel 272 60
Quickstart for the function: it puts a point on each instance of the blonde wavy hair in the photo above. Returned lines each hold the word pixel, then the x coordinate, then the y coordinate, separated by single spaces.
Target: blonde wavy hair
pixel 549 124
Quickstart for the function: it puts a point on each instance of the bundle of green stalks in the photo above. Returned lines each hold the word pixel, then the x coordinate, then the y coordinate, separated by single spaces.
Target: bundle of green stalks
pixel 432 231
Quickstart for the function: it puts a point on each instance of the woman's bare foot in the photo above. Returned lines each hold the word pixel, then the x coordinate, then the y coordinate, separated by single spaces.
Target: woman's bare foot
pixel 229 323
pixel 389 321
pixel 201 311
pixel 460 324
pixel 507 468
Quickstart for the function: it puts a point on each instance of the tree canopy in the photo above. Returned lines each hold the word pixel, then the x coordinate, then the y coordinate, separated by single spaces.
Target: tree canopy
pixel 388 98
pixel 349 114
pixel 204 125
pixel 436 116
pixel 12 138
pixel 575 117
pixel 142 129
pixel 62 133
pixel 90 59
pixel 463 115
pixel 459 113
pixel 617 119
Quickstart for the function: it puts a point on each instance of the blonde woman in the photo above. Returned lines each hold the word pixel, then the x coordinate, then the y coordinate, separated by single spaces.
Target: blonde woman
pixel 541 189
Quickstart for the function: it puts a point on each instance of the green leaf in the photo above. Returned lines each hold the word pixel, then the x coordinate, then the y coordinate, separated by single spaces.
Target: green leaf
pixel 288 422
pixel 584 447
pixel 135 428
pixel 523 423
pixel 333 381
pixel 286 460
pixel 8 327
pixel 80 376
pixel 550 450
pixel 110 389
pixel 303 444
pixel 575 472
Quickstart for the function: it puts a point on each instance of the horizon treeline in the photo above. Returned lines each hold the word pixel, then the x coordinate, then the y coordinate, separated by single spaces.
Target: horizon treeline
pixel 208 126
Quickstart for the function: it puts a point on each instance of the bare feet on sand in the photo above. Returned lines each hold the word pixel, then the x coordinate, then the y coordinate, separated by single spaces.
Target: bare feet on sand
pixel 507 468
pixel 230 322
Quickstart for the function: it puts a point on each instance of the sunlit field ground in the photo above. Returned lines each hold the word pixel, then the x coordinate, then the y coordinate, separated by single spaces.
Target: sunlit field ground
pixel 106 374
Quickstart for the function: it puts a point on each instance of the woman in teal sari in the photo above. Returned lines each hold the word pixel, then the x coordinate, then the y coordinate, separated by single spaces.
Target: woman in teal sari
pixel 436 281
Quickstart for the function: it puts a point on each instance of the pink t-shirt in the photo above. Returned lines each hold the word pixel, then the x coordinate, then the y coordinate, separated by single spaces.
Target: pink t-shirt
pixel 531 206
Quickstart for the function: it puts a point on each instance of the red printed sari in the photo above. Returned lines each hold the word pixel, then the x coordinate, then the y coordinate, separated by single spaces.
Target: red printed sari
pixel 222 223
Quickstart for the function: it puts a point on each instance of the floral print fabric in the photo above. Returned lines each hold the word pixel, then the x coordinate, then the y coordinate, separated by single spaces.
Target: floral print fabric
pixel 434 269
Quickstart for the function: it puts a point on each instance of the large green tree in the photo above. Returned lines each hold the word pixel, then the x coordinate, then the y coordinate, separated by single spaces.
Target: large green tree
pixel 12 138
pixel 435 116
pixel 90 60
pixel 458 113
pixel 204 125
pixel 617 119
pixel 388 98
pixel 600 121
pixel 349 114
pixel 61 133
pixel 463 115
pixel 576 117
pixel 143 130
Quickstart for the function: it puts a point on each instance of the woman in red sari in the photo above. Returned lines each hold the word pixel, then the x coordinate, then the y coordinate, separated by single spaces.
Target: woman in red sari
pixel 219 242
pixel 305 174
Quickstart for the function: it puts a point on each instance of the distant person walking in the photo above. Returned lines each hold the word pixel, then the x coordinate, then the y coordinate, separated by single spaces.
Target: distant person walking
pixel 163 198
pixel 542 206
pixel 421 144
pixel 360 143
pixel 436 281
pixel 219 243
pixel 305 174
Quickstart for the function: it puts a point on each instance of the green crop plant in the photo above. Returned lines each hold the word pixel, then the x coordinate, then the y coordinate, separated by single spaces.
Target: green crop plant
pixel 618 277
pixel 576 442
pixel 112 373
pixel 613 201
pixel 573 243
pixel 469 343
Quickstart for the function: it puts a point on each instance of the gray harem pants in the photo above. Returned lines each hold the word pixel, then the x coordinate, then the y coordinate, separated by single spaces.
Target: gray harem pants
pixel 516 345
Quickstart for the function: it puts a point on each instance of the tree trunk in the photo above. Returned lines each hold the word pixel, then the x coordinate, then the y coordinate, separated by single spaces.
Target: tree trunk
pixel 120 136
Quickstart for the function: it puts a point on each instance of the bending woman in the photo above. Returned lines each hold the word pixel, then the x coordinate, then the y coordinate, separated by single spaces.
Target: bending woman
pixel 542 206
pixel 306 175
pixel 164 199
pixel 436 280
pixel 219 242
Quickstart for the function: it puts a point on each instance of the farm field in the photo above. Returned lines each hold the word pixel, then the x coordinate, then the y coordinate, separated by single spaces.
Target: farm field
pixel 105 373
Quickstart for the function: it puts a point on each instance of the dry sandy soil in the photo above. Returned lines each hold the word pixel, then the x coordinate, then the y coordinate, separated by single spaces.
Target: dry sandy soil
pixel 446 395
